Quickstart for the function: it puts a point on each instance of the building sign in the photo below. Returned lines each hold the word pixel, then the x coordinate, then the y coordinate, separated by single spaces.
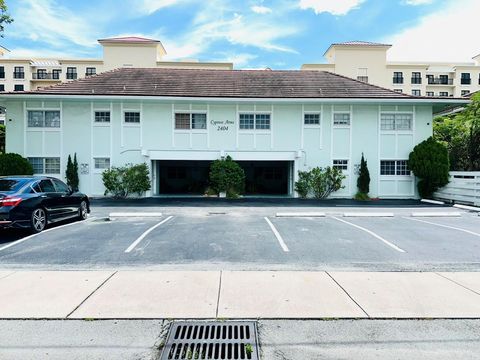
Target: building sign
pixel 84 169
pixel 222 125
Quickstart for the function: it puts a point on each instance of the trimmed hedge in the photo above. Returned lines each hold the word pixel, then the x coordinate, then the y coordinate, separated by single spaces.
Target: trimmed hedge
pixel 14 164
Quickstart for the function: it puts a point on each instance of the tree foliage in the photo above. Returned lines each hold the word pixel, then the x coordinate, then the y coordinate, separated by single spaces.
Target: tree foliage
pixel 363 181
pixel 123 181
pixel 2 139
pixel 429 162
pixel 227 176
pixel 72 173
pixel 460 133
pixel 5 18
pixel 14 164
pixel 321 182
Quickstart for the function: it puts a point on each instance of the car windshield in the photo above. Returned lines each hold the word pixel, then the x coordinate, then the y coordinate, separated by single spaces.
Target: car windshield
pixel 11 185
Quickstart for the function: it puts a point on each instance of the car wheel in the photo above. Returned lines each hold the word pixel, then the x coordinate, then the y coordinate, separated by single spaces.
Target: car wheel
pixel 38 221
pixel 83 210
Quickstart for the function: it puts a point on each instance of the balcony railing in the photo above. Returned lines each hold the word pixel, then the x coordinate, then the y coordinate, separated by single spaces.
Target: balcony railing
pixel 416 80
pixel 398 80
pixel 46 76
pixel 19 75
pixel 440 81
pixel 363 78
pixel 465 81
pixel 71 76
pixel 90 74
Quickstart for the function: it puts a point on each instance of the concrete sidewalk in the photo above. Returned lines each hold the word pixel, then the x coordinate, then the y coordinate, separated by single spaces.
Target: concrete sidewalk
pixel 237 294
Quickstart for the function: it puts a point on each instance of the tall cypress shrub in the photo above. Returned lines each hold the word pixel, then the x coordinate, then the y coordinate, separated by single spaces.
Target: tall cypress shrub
pixel 69 172
pixel 76 180
pixel 363 181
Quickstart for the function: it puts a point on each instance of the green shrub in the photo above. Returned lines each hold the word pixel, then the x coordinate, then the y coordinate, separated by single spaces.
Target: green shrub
pixel 363 181
pixel 303 185
pixel 325 181
pixel 14 164
pixel 429 162
pixel 361 196
pixel 227 176
pixel 2 139
pixel 120 182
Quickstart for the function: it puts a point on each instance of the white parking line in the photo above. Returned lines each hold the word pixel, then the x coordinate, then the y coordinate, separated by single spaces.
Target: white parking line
pixel 19 241
pixel 393 246
pixel 277 235
pixel 136 242
pixel 445 226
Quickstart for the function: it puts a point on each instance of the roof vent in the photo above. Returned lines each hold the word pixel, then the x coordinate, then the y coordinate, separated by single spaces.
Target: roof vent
pixel 320 91
pixel 124 87
pixel 93 91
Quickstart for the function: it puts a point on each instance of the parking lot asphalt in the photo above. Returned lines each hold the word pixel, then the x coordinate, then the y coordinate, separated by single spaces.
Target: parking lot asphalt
pixel 253 238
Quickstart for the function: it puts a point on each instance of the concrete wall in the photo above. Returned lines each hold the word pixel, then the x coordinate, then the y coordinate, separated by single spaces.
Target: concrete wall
pixel 156 139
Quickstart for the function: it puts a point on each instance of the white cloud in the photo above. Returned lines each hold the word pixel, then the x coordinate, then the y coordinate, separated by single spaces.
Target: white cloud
pixel 261 9
pixel 150 6
pixel 334 7
pixel 238 59
pixel 448 34
pixel 418 2
pixel 48 21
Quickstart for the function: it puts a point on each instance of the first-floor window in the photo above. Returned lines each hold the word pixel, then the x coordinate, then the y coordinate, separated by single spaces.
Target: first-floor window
pixel 311 119
pixel 465 92
pixel 2 87
pixel 41 118
pixel 189 121
pixel 340 164
pixel 247 121
pixel 416 93
pixel 45 165
pixel 132 117
pixel 341 119
pixel 398 90
pixel 102 163
pixel 443 93
pixel 18 88
pixel 394 167
pixel 430 93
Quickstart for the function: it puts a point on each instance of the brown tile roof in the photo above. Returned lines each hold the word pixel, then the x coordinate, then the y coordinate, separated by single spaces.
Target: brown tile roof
pixel 220 83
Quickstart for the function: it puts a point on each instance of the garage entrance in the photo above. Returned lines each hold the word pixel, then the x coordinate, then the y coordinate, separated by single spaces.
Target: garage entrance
pixel 190 177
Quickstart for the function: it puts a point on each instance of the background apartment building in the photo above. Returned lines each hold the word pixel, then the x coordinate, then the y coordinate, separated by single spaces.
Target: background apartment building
pixel 28 74
pixel 366 61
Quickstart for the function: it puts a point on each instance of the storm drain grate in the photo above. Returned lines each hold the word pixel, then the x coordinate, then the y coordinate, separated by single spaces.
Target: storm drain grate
pixel 211 340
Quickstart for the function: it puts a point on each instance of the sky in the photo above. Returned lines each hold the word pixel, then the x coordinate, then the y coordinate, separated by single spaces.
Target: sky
pixel 279 34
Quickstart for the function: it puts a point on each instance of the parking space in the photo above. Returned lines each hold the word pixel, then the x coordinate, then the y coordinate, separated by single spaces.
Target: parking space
pixel 237 238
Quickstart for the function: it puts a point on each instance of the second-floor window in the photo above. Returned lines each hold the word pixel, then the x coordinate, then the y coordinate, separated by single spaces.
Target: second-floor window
pixel 254 121
pixel 44 118
pixel 311 119
pixel 71 73
pixel 56 74
pixel 465 79
pixel 2 72
pixel 41 74
pixel 416 78
pixel 90 71
pixel 190 121
pixel 341 119
pixel 132 117
pixel 398 77
pixel 102 116
pixel 443 79
pixel 18 72
pixel 396 121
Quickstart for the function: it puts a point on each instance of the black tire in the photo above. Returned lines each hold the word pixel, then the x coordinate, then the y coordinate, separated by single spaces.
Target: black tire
pixel 83 210
pixel 38 220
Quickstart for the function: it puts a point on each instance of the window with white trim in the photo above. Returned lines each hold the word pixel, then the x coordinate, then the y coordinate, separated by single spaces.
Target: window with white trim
pixel 102 116
pixel 254 121
pixel 394 167
pixel 311 119
pixel 45 165
pixel 190 121
pixel 396 121
pixel 341 164
pixel 416 92
pixel 101 163
pixel 341 119
pixel 132 117
pixel 43 118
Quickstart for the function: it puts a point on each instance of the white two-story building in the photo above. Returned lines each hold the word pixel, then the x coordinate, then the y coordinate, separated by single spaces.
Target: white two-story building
pixel 274 123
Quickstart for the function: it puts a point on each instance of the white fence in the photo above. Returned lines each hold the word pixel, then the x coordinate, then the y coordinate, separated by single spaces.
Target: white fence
pixel 464 187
